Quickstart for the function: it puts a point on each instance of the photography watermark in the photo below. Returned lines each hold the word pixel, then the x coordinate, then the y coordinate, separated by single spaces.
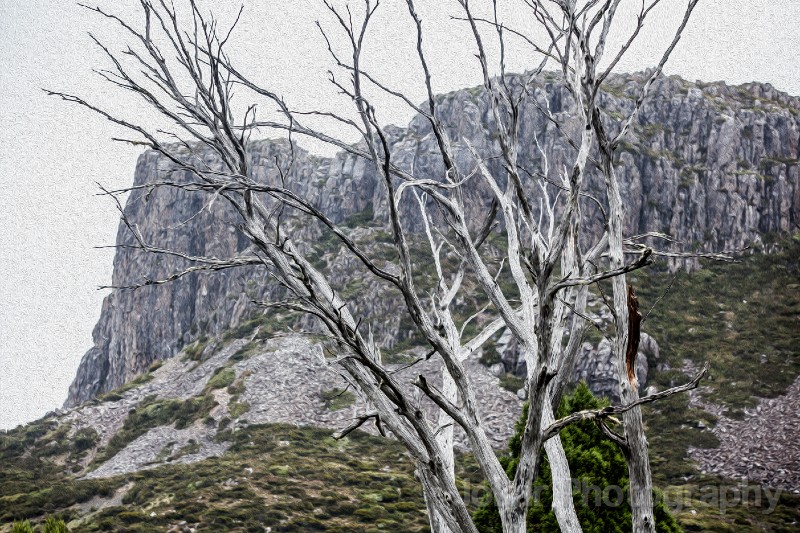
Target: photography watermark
pixel 718 496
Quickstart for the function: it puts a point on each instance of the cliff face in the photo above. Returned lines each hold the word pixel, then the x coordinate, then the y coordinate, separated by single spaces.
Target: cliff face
pixel 712 165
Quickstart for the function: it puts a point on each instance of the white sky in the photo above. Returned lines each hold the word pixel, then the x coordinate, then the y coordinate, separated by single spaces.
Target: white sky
pixel 51 153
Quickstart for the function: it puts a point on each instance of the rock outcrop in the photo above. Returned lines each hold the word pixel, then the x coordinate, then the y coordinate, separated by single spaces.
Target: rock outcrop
pixel 713 165
pixel 595 363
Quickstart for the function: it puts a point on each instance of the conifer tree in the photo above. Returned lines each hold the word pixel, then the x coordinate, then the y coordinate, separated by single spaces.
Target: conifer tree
pixel 596 464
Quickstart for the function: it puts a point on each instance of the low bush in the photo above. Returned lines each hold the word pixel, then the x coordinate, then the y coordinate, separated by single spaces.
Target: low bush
pixel 223 377
pixel 22 527
pixel 336 399
pixel 53 525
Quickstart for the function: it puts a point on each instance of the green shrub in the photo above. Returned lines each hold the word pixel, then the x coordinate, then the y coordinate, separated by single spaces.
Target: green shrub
pixel 360 219
pixel 245 329
pixel 336 399
pixel 194 351
pixel 22 527
pixel 237 409
pixel 246 351
pixel 237 388
pixel 192 447
pixel 116 394
pixel 84 439
pixel 222 378
pixel 512 383
pixel 51 525
pixel 111 396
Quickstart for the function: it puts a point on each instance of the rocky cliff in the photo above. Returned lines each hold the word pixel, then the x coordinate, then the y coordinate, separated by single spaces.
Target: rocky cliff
pixel 713 165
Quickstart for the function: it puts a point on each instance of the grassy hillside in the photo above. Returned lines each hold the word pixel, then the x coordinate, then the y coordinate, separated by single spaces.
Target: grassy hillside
pixel 278 476
pixel 742 318
pixel 287 479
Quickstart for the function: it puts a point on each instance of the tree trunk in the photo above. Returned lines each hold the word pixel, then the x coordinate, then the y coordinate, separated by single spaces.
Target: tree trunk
pixel 563 503
pixel 444 438
pixel 641 483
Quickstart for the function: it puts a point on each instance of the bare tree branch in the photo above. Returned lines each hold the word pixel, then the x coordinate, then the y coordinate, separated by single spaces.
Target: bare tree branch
pixel 612 410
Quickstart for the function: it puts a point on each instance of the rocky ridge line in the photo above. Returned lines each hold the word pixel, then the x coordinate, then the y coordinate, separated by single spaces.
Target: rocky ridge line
pixel 716 166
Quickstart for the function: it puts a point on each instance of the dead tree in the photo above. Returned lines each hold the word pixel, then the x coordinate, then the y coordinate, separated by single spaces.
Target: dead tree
pixel 180 68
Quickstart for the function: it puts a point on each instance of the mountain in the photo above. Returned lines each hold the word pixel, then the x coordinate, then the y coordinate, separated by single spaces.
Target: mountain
pixel 713 165
pixel 196 411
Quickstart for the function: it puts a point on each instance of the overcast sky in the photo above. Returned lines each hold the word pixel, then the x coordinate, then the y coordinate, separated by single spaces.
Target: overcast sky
pixel 51 153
